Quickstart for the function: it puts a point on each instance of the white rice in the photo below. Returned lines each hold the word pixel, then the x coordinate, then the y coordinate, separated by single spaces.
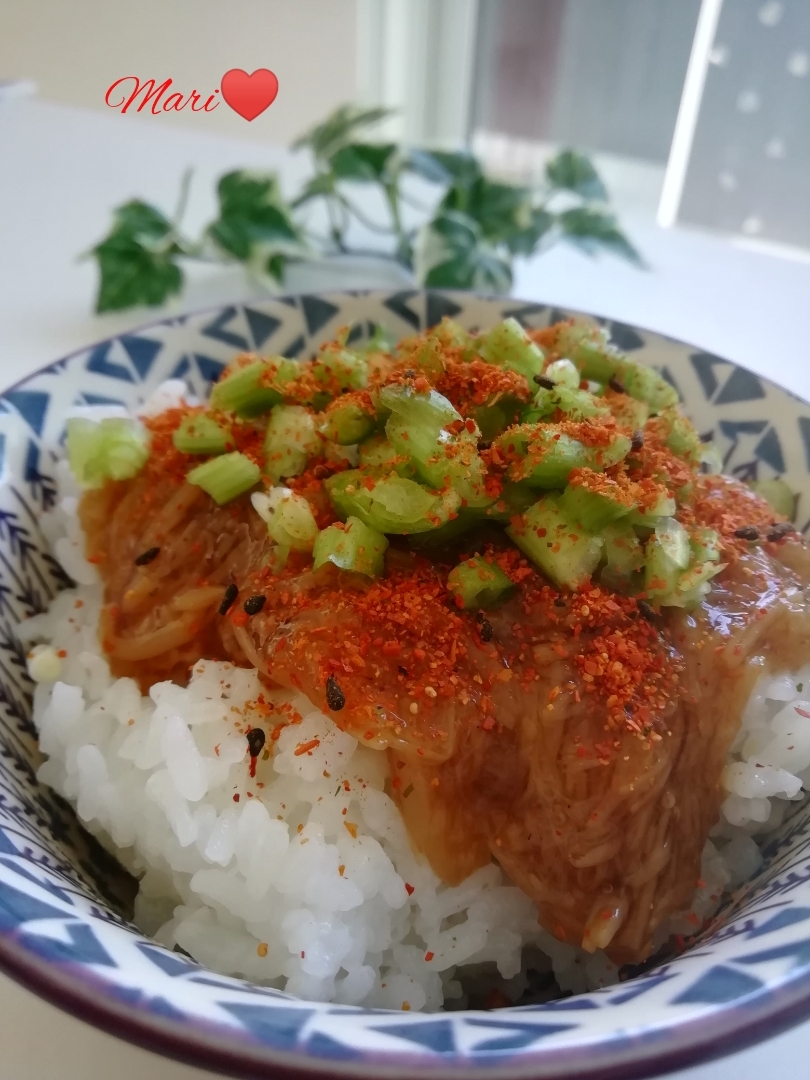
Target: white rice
pixel 308 882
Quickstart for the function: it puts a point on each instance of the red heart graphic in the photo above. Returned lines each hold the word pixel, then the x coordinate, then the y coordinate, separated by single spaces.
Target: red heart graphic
pixel 249 95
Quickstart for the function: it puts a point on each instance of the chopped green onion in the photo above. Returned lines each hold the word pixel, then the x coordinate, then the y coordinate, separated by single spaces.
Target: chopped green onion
pixel 113 449
pixel 451 530
pixel 534 415
pixel 246 391
pixel 692 585
pixel 599 361
pixel 428 358
pixel 377 452
pixel 679 434
pixel 629 412
pixel 393 504
pixel 353 547
pixel 454 462
pixel 452 334
pixel 290 440
pixel 647 517
pixel 673 540
pixel 647 385
pixel 778 494
pixel 429 410
pixel 226 477
pixel 667 555
pixel 508 345
pixel 381 341
pixel 292 524
pixel 494 419
pixel 477 583
pixel 624 557
pixel 200 434
pixel 265 503
pixel 514 499
pixel 705 544
pixel 339 369
pixel 347 421
pixel 555 543
pixel 543 456
pixel 563 373
pixel 589 349
pixel 593 510
pixel 417 429
pixel 126 448
pixel 575 403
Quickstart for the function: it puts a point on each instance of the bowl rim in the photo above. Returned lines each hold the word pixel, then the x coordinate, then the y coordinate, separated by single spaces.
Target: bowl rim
pixel 715 1034
pixel 726 1029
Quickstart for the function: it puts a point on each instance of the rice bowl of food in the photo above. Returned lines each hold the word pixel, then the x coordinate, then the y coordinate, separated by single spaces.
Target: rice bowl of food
pixel 430 676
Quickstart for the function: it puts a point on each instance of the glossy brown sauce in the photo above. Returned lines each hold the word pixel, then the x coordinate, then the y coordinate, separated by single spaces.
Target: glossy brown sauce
pixel 498 744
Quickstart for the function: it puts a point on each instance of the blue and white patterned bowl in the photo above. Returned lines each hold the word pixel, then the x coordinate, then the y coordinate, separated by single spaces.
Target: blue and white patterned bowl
pixel 64 930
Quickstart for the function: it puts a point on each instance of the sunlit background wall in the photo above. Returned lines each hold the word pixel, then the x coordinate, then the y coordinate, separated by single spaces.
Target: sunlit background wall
pixel 696 111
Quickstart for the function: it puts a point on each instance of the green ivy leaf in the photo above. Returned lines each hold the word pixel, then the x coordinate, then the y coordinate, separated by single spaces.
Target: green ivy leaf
pixel 480 225
pixel 526 238
pixel 498 208
pixel 364 161
pixel 338 129
pixel 504 212
pixel 136 261
pixel 572 171
pixel 131 274
pixel 594 231
pixel 452 253
pixel 275 266
pixel 141 221
pixel 459 169
pixel 318 185
pixel 253 217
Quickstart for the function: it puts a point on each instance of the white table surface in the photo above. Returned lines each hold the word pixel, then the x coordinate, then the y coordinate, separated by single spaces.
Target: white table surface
pixel 61 172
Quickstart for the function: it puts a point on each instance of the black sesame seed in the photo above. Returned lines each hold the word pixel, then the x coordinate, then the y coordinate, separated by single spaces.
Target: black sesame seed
pixel 409 373
pixel 542 381
pixel 647 610
pixel 402 670
pixel 335 698
pixel 255 738
pixel 637 441
pixel 486 630
pixel 560 603
pixel 779 530
pixel 747 532
pixel 615 385
pixel 254 604
pixel 147 556
pixel 230 595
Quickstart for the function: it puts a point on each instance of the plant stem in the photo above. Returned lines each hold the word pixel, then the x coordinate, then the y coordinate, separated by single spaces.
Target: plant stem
pixel 182 201
pixel 369 224
pixel 404 248
pixel 386 256
pixel 334 227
